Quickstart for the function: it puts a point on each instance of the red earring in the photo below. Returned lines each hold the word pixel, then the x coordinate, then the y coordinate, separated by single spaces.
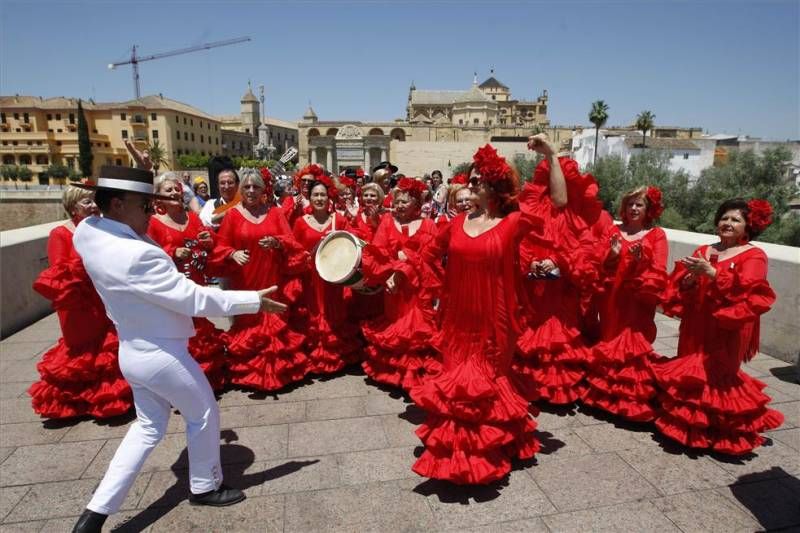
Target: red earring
pixel 160 209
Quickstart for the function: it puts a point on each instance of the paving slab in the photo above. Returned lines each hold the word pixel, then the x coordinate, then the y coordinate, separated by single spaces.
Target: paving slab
pixel 14 390
pixel 399 431
pixel 641 517
pixel 27 433
pixel 560 443
pixel 791 413
pixel 376 465
pixel 67 498
pixel 334 408
pixel 335 436
pixel 610 438
pixel 24 350
pixel 10 497
pixel 378 506
pixel 584 482
pixel 675 473
pixel 528 525
pixel 48 462
pixel 261 415
pixel 707 511
pixel 456 507
pixel 14 410
pixel 789 437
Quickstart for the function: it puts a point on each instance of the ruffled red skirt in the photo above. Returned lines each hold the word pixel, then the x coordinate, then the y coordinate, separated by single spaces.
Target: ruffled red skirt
pixel 207 347
pixel 620 377
pixel 550 363
pixel 81 381
pixel 399 352
pixel 264 353
pixel 704 407
pixel 330 348
pixel 476 424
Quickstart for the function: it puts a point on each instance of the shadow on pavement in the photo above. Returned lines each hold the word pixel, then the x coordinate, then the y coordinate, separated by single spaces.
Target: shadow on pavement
pixel 772 497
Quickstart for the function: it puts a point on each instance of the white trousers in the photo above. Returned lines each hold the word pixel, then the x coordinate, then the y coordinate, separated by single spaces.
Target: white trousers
pixel 161 373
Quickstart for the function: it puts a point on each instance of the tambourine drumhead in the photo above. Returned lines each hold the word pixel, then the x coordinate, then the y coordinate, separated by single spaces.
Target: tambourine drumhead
pixel 338 258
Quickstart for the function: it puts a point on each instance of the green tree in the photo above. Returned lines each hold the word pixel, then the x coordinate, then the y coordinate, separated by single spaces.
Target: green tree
pixel 525 166
pixel 58 173
pixel 9 172
pixel 25 175
pixel 598 116
pixel 193 160
pixel 644 123
pixel 610 173
pixel 461 168
pixel 158 155
pixel 85 157
pixel 74 175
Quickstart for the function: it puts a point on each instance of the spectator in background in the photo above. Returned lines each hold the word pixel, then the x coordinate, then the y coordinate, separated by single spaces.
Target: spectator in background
pixel 201 191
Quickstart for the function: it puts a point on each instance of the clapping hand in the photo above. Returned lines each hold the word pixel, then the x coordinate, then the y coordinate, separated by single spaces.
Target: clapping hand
pixel 183 253
pixel 699 266
pixel 636 250
pixel 541 269
pixel 269 243
pixel 616 246
pixel 540 143
pixel 205 238
pixel 241 257
pixel 269 305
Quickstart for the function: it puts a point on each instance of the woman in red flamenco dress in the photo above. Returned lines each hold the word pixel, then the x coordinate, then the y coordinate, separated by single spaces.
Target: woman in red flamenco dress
pixel 299 204
pixel 719 292
pixel 184 238
pixel 459 200
pixel 557 262
pixel 633 280
pixel 264 352
pixel 398 351
pixel 332 341
pixel 366 305
pixel 79 375
pixel 477 421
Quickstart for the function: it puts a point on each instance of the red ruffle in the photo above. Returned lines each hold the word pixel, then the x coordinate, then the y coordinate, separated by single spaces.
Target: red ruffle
pixel 549 363
pixel 331 349
pixel 81 381
pixel 264 353
pixel 207 347
pixel 703 407
pixel 475 426
pixel 620 377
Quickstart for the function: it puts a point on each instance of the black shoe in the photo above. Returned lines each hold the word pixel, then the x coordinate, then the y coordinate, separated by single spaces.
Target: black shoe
pixel 90 522
pixel 217 498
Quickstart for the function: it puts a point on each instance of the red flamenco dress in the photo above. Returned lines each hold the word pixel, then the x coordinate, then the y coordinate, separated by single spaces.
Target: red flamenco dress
pixel 332 341
pixel 364 305
pixel 264 352
pixel 399 351
pixel 551 352
pixel 477 420
pixel 706 400
pixel 207 347
pixel 79 375
pixel 620 377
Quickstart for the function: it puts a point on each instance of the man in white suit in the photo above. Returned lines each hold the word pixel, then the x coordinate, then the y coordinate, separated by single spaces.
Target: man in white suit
pixel 151 305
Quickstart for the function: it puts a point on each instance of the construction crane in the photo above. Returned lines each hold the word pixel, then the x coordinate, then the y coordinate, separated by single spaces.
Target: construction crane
pixel 135 60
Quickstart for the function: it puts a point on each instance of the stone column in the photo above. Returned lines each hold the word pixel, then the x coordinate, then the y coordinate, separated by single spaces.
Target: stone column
pixel 329 160
pixel 314 155
pixel 383 154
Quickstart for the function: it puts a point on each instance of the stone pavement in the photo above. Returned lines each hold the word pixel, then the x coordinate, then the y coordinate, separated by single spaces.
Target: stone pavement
pixel 335 455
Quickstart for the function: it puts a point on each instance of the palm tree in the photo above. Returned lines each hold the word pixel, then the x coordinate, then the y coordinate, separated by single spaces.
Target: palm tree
pixel 644 123
pixel 158 155
pixel 598 116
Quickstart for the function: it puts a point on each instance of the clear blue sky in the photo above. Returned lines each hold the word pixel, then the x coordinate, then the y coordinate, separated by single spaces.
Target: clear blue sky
pixel 727 66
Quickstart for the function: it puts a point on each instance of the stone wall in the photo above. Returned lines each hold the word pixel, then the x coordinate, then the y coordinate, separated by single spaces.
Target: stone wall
pixel 21 208
pixel 23 255
pixel 418 158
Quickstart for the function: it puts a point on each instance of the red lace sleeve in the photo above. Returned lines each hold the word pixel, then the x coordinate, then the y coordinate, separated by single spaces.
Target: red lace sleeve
pixel 59 245
pixel 742 291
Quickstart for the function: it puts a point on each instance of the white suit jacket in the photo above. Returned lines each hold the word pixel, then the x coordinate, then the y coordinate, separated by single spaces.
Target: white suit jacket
pixel 144 294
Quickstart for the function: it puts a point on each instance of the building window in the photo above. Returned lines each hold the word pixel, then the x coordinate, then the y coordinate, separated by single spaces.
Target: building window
pixel 192 137
pixel 118 162
pixel 50 130
pixel 41 160
pixel 8 160
pixel 38 143
pixel 191 122
pixel 123 116
pixel 152 116
pixel 180 152
pixel 215 127
pixel 124 134
pixel 108 145
pixel 16 116
pixel 58 143
pixel 3 118
pixel 25 118
pixel 30 143
pixel 155 134
pixel 216 139
pixel 25 159
pixel 475 121
pixel 247 130
pixel 460 122
pixel 686 156
pixel 202 139
pixel 72 118
pixel 177 119
pixel 178 135
pixel 59 130
pixel 185 136
pixel 184 121
pixel 70 162
pixel 58 116
pixel 5 143
pixel 94 131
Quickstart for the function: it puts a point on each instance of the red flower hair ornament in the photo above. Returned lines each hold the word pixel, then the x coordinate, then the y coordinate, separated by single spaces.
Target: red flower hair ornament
pixel 459 179
pixel 760 215
pixel 266 175
pixel 654 205
pixel 411 186
pixel 347 182
pixel 491 166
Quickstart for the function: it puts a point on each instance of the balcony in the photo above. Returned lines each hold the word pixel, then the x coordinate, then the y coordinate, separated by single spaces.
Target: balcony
pixel 138 121
pixel 5 126
pixel 26 126
pixel 72 127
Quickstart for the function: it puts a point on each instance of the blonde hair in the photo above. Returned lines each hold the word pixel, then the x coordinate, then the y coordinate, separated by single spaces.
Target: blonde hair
pixel 165 177
pixel 253 175
pixel 374 187
pixel 73 195
pixel 631 195
pixel 381 175
pixel 453 192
